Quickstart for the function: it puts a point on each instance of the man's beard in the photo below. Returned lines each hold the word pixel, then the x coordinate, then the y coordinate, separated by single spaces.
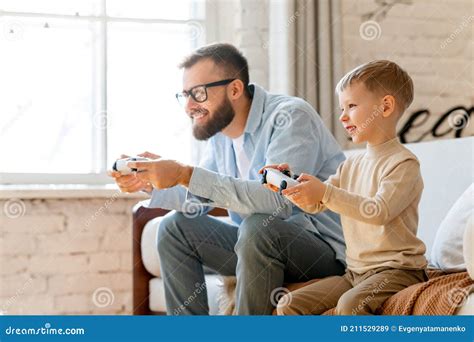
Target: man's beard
pixel 219 120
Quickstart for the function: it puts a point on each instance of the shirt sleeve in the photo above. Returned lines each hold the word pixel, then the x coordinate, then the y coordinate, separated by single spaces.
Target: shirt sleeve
pixel 299 140
pixel 296 142
pixel 178 198
pixel 396 190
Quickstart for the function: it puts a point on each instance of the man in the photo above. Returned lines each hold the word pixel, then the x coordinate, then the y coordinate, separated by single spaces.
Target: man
pixel 269 241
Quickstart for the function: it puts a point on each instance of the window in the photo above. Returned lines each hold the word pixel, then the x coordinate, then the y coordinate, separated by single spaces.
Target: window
pixel 86 80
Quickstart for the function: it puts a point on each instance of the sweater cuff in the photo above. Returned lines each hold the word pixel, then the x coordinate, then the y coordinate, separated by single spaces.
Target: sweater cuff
pixel 327 193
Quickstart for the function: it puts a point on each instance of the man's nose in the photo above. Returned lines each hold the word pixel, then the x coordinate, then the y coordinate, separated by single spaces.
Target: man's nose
pixel 190 104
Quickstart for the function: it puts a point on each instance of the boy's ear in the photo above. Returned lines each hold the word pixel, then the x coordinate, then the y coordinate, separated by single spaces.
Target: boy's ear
pixel 388 105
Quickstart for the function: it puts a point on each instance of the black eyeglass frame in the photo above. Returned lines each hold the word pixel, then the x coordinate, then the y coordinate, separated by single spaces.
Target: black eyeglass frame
pixel 189 92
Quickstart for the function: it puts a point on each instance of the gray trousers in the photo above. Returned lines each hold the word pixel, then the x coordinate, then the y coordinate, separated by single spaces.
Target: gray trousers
pixel 262 254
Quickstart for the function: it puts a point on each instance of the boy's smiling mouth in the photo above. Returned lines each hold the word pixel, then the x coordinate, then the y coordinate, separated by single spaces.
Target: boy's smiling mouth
pixel 351 129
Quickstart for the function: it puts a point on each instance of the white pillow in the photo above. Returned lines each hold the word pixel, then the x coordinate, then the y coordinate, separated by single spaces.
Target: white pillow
pixel 447 253
pixel 149 247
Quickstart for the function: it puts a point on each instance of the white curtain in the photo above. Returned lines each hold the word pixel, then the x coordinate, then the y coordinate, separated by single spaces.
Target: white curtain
pixel 305 57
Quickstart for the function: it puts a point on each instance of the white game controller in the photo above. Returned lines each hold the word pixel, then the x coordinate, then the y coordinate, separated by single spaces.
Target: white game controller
pixel 278 180
pixel 122 167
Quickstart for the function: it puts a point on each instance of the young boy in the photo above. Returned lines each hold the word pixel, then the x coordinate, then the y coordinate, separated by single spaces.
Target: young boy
pixel 377 195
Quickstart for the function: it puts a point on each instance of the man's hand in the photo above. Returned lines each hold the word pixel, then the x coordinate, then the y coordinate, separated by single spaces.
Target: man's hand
pixel 130 183
pixel 162 173
pixel 308 194
pixel 279 167
pixel 149 155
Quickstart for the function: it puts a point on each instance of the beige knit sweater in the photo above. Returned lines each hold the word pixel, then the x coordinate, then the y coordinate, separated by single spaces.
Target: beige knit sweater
pixel 377 195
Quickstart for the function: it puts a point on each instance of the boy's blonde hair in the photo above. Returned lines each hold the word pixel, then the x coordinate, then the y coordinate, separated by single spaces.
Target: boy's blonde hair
pixel 384 78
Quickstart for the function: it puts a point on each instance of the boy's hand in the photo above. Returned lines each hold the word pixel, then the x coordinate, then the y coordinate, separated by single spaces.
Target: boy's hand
pixel 308 194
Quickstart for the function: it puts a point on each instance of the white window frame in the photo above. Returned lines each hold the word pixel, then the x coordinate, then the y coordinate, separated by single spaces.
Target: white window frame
pixel 99 136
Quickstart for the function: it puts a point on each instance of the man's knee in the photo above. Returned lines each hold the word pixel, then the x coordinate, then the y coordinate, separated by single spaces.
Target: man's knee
pixel 253 233
pixel 252 225
pixel 168 229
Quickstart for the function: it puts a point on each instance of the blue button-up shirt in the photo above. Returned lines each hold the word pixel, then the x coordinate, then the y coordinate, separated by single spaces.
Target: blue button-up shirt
pixel 279 129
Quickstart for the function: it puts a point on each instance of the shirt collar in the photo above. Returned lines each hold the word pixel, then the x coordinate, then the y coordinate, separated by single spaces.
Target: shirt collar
pixel 256 109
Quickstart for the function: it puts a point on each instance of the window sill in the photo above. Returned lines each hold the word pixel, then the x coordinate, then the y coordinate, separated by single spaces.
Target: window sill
pixel 41 191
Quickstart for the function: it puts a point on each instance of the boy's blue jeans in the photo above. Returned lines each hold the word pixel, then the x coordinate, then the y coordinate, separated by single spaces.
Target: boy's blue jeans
pixel 262 253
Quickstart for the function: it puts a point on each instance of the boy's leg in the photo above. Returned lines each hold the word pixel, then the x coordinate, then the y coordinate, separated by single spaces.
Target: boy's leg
pixel 370 292
pixel 314 299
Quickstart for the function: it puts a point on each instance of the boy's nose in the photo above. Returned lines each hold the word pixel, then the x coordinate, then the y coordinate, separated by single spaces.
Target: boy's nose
pixel 343 117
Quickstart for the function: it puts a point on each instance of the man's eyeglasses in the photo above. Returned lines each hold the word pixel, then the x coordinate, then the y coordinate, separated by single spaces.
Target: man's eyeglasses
pixel 199 93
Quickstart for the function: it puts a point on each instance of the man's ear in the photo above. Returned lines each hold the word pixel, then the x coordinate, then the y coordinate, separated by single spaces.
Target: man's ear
pixel 388 105
pixel 237 89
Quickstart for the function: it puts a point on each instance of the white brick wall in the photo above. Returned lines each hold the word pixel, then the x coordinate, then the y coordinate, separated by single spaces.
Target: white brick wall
pixel 251 35
pixel 54 257
pixel 432 40
pixel 245 23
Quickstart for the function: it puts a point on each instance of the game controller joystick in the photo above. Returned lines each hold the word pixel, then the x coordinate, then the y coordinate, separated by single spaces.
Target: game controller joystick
pixel 278 180
pixel 120 165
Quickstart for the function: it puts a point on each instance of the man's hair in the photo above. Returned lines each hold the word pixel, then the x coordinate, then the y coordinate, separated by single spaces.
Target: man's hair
pixel 382 77
pixel 226 56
